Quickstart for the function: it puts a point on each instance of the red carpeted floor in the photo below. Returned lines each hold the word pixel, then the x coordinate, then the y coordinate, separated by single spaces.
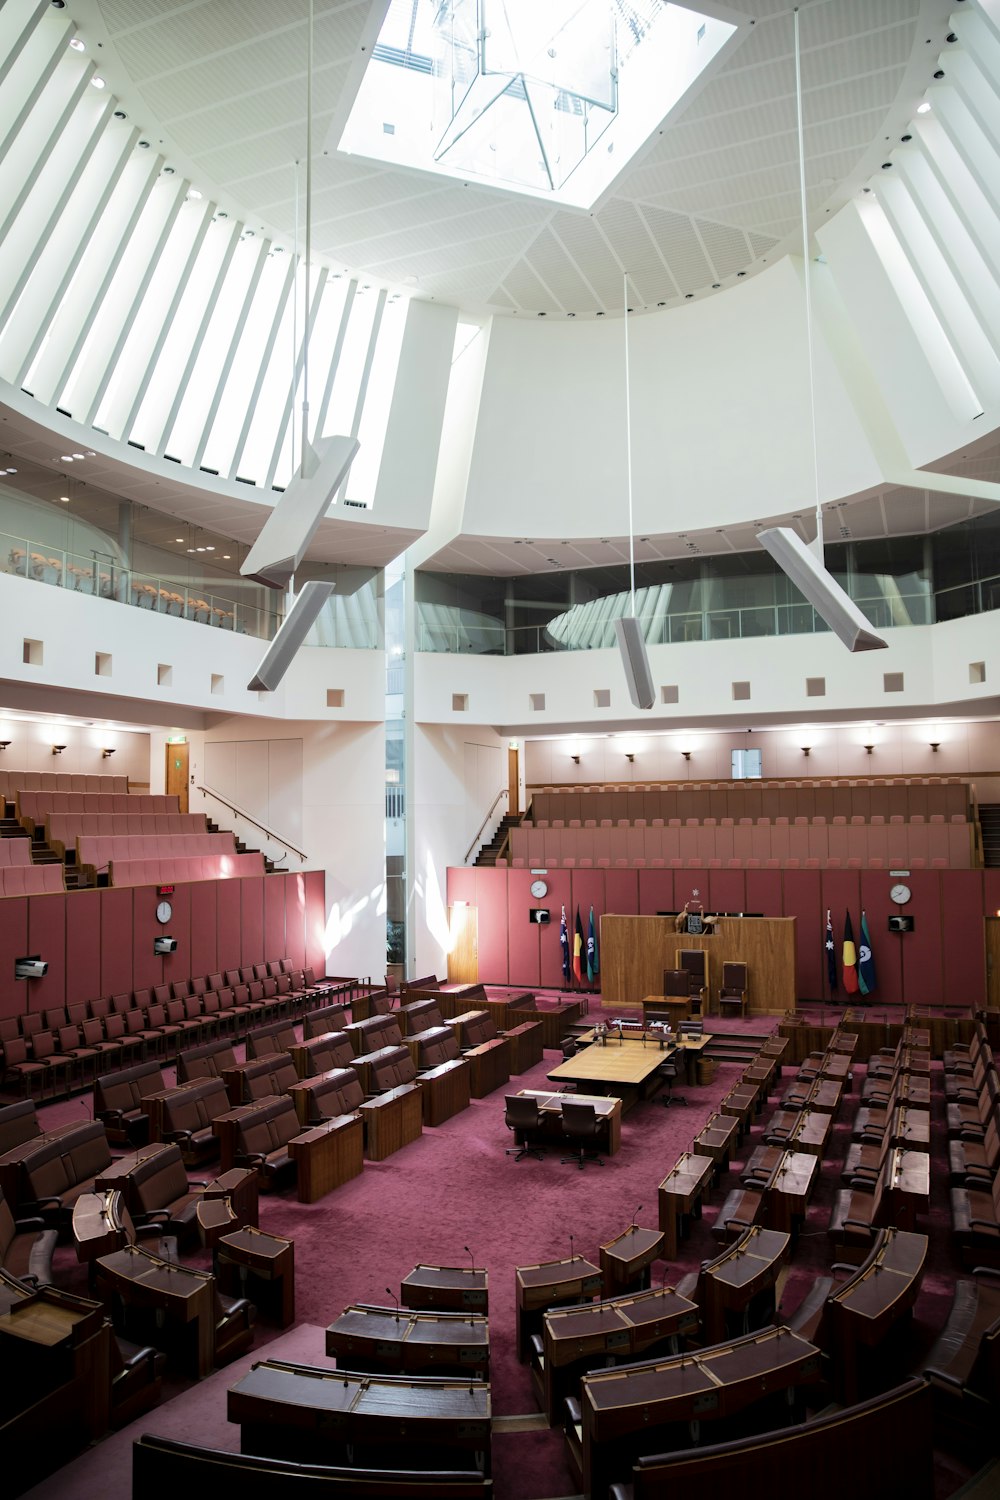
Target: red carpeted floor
pixel 455 1188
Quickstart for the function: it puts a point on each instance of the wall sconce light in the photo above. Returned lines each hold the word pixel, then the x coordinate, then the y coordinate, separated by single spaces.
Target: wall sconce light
pixel 686 754
pixel 58 749
pixel 108 750
pixel 806 749
pixel 629 756
pixel 4 744
pixel 935 745
pixel 575 759
pixel 869 749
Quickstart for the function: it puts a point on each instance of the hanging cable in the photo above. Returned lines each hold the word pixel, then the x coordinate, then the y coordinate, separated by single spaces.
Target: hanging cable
pixel 308 319
pixel 818 545
pixel 628 452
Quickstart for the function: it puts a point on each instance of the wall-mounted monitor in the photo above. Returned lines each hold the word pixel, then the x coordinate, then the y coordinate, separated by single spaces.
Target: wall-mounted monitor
pixel 900 924
pixel 539 915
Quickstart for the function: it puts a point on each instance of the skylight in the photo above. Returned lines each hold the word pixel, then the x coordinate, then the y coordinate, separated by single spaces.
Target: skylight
pixel 548 98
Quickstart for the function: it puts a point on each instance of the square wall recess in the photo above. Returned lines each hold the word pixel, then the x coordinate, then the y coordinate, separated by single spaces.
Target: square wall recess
pixel 669 693
pixel 977 671
pixel 815 687
pixel 892 682
pixel 164 674
pixel 602 697
pixel 741 691
pixel 459 703
pixel 102 664
pixel 537 702
pixel 33 653
pixel 335 697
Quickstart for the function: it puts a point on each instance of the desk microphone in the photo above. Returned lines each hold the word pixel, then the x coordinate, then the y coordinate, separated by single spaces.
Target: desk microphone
pixel 572 1256
pixel 390 1293
pixel 634 1217
pixel 472 1265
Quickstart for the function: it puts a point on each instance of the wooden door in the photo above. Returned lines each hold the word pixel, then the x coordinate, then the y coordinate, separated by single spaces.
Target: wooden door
pixel 176 779
pixel 463 960
pixel 993 962
pixel 513 780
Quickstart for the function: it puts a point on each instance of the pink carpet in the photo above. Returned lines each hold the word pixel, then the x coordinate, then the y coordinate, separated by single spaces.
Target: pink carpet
pixel 455 1188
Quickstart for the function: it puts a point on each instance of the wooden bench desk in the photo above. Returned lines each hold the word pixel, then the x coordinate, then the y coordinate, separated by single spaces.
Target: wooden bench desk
pixel 384 1339
pixel 680 1197
pixel 259 1266
pixel 447 1288
pixel 626 1260
pixel 740 1280
pixel 551 1283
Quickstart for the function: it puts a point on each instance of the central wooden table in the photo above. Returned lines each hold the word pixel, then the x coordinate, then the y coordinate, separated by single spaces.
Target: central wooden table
pixel 625 1068
pixel 609 1111
pixel 680 1195
pixel 365 1337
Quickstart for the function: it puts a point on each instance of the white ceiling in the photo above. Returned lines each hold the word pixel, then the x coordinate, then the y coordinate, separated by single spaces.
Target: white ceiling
pixel 222 83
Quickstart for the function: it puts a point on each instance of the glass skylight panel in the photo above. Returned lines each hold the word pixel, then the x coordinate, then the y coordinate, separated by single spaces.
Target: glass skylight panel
pixel 550 98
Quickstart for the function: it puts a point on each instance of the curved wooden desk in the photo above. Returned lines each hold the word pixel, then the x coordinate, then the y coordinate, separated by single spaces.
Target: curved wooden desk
pixel 410 1343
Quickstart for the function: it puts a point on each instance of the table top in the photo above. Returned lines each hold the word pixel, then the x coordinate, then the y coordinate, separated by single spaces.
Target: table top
pixel 449 1278
pixel 754 1254
pixel 557 1276
pixel 44 1317
pixel 255 1244
pixel 385 1324
pixel 889 1277
pixel 688 1176
pixel 627 1061
pixel 620 1323
pixel 417 1399
pixel 634 1246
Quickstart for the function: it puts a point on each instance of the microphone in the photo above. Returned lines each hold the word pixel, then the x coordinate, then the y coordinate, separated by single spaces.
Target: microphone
pixel 472 1262
pixel 634 1216
pixel 390 1293
pixel 572 1255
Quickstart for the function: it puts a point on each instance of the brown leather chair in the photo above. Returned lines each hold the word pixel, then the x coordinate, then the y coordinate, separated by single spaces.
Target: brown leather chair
pixel 581 1128
pixel 733 990
pixel 26 1246
pixel 524 1118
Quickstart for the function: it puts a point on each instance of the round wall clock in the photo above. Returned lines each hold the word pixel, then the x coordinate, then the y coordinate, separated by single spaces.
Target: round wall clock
pixel 900 894
pixel 539 889
pixel 164 912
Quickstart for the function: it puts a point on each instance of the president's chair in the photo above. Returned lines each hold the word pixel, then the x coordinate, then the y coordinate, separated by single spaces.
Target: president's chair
pixel 694 961
pixel 524 1118
pixel 733 990
pixel 580 1130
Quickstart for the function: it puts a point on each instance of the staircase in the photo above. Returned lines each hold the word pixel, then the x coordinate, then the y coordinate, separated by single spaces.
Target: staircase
pixel 989 822
pixel 488 853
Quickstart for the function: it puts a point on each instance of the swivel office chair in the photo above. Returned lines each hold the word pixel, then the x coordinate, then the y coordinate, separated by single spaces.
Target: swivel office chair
pixel 524 1118
pixel 668 1072
pixel 580 1128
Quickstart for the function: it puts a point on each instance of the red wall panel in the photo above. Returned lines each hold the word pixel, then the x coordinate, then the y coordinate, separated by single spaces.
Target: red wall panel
pixel 991 893
pixel 962 936
pixel 116 941
pixel 204 935
pixel 801 900
pixel 47 936
pixel 315 925
pixel 621 891
pixel 726 891
pixel 764 892
pixel 656 892
pixel 921 948
pixel 462 882
pixel 489 896
pixel 13 944
pixel 886 945
pixel 686 882
pixel 83 946
pixel 295 919
pixel 179 965
pixel 522 938
pixel 228 902
pixel 252 921
pixel 147 968
pixel 274 918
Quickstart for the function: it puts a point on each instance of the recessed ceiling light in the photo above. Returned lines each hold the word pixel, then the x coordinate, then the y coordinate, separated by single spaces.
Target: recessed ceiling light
pixel 199 549
pixel 64 499
pixel 193 193
pixel 78 44
pixel 925 108
pixel 209 549
pixel 11 471
pixel 98 83
pixel 178 539
pixel 225 556
pixel 67 458
pixel 190 549
pixel 79 455
pixel 120 114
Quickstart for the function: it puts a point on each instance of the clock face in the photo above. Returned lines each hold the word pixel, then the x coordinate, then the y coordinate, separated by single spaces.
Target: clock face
pixel 900 894
pixel 539 889
pixel 164 912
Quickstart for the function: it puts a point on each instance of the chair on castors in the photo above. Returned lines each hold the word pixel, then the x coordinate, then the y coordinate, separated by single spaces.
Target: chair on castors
pixel 580 1129
pixel 733 991
pixel 524 1118
pixel 668 1072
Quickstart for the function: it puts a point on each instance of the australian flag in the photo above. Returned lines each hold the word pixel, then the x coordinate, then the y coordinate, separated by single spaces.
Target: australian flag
pixel 831 956
pixel 564 945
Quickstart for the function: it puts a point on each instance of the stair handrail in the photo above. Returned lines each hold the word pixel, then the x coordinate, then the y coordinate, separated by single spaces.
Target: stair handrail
pixel 241 812
pixel 503 792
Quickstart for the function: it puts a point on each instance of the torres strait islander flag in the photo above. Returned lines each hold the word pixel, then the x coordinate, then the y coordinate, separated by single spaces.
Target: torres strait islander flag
pixel 564 945
pixel 850 957
pixel 578 949
pixel 593 962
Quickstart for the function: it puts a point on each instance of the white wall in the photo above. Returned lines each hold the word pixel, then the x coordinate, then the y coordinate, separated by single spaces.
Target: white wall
pixel 456 774
pixel 72 627
pixel 31 742
pixel 341 791
pixel 934 661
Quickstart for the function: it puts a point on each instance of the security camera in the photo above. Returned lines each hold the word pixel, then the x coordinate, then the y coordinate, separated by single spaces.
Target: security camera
pixel 164 945
pixel 30 968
